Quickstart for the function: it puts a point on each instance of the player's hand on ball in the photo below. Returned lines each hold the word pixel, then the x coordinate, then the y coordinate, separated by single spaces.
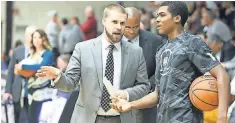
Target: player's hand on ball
pixel 222 120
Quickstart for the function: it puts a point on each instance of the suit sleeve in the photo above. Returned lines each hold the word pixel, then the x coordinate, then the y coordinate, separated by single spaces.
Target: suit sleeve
pixel 142 84
pixel 69 80
pixel 10 74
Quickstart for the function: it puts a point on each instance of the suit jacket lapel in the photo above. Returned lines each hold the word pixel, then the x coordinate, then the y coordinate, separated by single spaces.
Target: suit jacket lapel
pixel 125 60
pixel 97 54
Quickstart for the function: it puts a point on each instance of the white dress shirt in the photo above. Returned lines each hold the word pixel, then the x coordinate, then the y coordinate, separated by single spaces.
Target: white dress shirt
pixel 135 41
pixel 117 70
pixel 26 51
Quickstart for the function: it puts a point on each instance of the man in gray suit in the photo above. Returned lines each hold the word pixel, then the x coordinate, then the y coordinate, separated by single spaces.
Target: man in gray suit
pixel 105 67
pixel 14 82
pixel 149 42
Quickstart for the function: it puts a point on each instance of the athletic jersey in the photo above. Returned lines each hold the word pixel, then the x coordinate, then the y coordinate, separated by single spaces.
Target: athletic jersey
pixel 179 62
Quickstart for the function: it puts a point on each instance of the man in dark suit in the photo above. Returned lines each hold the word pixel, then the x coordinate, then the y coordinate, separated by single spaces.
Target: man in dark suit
pixel 14 82
pixel 149 42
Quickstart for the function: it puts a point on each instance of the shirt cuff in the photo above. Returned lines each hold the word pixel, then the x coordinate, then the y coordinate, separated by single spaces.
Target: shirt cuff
pixel 127 96
pixel 53 82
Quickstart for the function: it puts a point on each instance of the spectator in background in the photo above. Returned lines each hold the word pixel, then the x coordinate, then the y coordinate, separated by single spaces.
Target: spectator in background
pixel 230 65
pixel 3 62
pixel 75 21
pixel 217 28
pixel 145 19
pixel 38 89
pixel 70 35
pixel 15 82
pixel 89 28
pixel 18 43
pixel 52 31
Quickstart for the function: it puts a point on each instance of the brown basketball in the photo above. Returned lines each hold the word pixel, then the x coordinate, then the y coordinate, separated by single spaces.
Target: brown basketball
pixel 26 73
pixel 203 93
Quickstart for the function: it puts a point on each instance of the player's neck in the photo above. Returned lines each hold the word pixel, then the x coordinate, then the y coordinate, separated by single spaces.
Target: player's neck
pixel 174 33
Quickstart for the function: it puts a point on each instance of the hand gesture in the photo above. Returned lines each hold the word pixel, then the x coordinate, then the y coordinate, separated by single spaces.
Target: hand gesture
pixel 121 94
pixel 48 72
pixel 7 96
pixel 121 105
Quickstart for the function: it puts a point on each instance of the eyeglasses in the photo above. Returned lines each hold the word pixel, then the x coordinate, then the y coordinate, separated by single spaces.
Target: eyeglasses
pixel 127 28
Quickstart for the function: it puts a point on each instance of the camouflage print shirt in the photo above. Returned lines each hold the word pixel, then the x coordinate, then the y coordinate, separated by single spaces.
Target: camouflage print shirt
pixel 179 62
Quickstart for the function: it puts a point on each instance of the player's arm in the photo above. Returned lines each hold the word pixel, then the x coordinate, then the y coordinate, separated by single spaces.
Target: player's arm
pixel 147 101
pixel 223 87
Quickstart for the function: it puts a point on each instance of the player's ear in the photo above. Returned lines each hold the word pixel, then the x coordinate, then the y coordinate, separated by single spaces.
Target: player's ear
pixel 177 19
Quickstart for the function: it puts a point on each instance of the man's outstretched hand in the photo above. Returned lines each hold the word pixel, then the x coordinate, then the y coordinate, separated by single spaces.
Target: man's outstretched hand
pixel 48 72
pixel 121 105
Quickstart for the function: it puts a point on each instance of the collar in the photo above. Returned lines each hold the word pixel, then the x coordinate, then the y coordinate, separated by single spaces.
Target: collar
pixel 105 44
pixel 133 40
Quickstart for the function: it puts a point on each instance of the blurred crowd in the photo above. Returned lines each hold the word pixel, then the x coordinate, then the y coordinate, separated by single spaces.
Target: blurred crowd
pixel 213 21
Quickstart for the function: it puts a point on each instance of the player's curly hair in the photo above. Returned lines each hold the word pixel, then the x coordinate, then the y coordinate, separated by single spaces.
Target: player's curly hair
pixel 177 8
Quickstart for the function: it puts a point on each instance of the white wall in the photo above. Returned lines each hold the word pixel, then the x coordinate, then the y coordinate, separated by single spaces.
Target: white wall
pixel 35 13
pixel 3 30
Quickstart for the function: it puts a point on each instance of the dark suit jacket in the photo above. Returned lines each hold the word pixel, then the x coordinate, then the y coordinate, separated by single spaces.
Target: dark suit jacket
pixel 14 82
pixel 150 44
pixel 228 52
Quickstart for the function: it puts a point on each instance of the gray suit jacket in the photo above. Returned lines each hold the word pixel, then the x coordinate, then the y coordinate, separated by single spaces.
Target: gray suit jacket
pixel 14 82
pixel 86 65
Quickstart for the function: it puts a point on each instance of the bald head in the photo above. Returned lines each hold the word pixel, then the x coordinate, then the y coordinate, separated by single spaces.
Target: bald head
pixel 132 26
pixel 133 12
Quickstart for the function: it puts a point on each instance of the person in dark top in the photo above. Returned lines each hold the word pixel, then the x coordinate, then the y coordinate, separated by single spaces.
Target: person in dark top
pixel 183 58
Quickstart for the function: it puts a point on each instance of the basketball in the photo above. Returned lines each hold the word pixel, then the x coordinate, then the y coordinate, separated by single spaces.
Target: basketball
pixel 203 93
pixel 26 73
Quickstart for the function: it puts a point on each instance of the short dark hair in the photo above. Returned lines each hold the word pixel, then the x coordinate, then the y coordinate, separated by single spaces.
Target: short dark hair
pixel 177 8
pixel 75 18
pixel 65 21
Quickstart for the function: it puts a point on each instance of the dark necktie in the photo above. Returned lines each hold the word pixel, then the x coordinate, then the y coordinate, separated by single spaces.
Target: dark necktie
pixel 109 72
pixel 129 41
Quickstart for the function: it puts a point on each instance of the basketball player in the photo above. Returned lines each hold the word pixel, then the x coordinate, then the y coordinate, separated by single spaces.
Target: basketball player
pixel 181 60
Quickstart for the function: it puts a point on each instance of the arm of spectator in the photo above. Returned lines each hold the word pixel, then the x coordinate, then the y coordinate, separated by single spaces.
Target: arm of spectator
pixel 230 64
pixel 47 61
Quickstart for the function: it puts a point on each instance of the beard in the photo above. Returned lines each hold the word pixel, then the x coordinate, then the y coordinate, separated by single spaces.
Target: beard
pixel 112 37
